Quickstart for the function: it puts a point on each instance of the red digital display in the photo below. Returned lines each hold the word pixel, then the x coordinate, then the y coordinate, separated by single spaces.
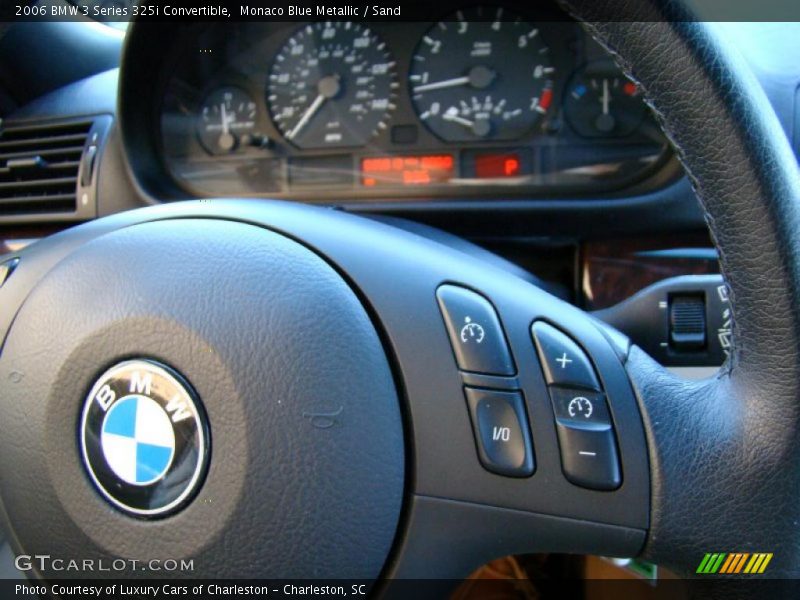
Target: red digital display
pixel 507 164
pixel 407 170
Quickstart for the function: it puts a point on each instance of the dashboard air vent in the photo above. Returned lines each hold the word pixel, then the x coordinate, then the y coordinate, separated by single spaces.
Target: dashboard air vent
pixel 39 164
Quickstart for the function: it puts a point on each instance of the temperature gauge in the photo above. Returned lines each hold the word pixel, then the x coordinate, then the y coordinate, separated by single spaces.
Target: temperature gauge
pixel 227 120
pixel 601 102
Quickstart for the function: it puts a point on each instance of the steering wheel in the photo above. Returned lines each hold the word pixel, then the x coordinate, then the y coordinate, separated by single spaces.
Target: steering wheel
pixel 334 397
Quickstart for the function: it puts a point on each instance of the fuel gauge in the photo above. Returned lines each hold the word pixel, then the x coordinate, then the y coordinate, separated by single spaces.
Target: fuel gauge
pixel 602 102
pixel 227 120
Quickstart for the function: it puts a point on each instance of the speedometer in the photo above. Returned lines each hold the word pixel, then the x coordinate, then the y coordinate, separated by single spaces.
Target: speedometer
pixel 482 74
pixel 331 85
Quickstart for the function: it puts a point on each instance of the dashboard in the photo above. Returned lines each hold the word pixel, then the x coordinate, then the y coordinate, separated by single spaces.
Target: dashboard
pixel 578 191
pixel 484 103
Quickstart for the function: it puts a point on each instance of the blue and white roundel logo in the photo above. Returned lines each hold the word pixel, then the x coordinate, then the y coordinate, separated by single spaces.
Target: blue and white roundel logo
pixel 138 441
pixel 144 438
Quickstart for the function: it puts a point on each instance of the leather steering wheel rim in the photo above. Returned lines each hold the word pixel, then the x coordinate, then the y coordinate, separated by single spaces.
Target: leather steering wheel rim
pixel 721 451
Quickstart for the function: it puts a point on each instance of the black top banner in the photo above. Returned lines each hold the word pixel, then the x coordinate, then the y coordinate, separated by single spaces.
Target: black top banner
pixel 362 10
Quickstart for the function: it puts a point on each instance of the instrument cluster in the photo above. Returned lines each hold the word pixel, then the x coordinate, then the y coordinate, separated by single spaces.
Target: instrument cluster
pixel 483 102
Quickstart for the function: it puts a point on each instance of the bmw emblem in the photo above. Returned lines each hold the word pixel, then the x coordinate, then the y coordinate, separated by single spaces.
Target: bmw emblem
pixel 144 438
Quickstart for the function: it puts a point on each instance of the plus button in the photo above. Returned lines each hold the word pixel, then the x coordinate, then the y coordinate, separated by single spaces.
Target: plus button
pixel 564 360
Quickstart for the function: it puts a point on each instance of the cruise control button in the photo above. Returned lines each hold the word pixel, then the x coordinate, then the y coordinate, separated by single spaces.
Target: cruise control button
pixel 589 455
pixel 501 431
pixel 475 332
pixel 579 406
pixel 563 361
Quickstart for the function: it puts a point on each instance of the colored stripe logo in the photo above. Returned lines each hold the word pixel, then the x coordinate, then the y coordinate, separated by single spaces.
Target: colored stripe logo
pixel 733 563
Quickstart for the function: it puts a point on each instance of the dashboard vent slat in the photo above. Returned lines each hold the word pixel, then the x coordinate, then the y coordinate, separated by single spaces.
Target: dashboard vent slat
pixel 74 151
pixel 39 164
pixel 53 140
pixel 37 184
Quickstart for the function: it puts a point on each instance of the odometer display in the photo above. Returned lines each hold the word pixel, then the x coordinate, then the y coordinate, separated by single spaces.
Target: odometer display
pixel 331 85
pixel 473 78
pixel 407 170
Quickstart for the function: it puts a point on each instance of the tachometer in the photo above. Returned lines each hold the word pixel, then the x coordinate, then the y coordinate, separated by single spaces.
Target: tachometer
pixel 331 85
pixel 483 74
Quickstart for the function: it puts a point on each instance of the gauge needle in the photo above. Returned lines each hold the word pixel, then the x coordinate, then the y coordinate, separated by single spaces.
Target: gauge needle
pixel 226 141
pixel 453 116
pixel 605 122
pixel 481 127
pixel 479 77
pixel 312 110
pixel 438 85
pixel 224 119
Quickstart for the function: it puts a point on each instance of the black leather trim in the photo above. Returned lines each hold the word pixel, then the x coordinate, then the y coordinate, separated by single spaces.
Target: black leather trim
pixel 723 452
